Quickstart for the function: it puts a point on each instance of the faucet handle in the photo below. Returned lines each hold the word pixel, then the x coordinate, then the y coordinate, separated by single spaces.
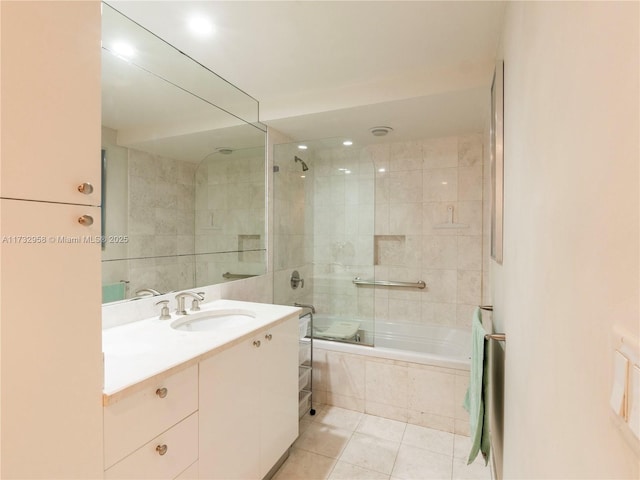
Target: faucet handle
pixel 195 303
pixel 165 314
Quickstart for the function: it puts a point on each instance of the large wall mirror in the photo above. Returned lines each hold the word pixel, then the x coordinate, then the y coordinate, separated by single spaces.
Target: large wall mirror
pixel 183 169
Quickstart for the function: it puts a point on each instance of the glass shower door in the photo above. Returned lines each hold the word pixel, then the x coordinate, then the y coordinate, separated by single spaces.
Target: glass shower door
pixel 324 228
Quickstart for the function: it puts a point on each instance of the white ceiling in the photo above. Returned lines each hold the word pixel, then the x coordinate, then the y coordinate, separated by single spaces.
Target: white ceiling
pixel 336 68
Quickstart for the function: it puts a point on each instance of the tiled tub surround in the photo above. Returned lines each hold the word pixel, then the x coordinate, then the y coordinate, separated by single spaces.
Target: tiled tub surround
pixel 428 395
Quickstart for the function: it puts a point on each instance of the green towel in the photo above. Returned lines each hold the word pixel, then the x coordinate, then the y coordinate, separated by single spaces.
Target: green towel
pixel 474 400
pixel 113 292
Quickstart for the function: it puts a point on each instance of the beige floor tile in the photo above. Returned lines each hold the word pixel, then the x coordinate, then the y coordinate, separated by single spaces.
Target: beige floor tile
pixel 379 427
pixel 476 471
pixel 418 464
pixel 371 453
pixel 303 424
pixel 338 417
pixel 323 439
pixel 433 440
pixel 305 465
pixel 461 446
pixel 346 471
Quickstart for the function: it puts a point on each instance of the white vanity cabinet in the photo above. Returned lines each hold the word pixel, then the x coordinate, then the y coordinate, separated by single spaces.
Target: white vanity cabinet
pixel 248 404
pixel 153 433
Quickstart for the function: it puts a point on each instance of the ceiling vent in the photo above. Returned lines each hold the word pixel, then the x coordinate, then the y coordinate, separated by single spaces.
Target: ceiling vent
pixel 380 131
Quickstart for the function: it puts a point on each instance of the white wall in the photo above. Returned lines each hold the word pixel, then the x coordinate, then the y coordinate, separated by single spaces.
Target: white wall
pixel 570 271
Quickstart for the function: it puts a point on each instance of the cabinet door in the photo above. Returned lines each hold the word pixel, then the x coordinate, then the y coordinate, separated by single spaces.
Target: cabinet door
pixel 230 414
pixel 279 392
pixel 50 90
pixel 51 339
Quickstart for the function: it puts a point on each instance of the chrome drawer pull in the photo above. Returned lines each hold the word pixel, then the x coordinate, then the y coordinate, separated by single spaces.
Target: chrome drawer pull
pixel 162 392
pixel 268 336
pixel 162 449
pixel 256 343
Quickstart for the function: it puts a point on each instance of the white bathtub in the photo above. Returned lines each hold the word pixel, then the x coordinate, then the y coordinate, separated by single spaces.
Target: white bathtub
pixel 436 345
pixel 424 384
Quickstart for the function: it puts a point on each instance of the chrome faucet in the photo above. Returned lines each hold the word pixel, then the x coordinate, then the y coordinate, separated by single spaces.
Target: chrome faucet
pixel 302 305
pixel 195 305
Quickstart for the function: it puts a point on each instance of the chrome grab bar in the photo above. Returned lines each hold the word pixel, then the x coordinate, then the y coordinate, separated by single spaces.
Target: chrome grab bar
pixel 237 275
pixel 385 283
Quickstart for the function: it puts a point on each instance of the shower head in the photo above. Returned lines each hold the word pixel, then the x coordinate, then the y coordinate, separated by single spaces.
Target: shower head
pixel 304 165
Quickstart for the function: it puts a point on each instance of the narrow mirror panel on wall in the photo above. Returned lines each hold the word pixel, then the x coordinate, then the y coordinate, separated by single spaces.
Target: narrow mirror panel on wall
pixel 183 169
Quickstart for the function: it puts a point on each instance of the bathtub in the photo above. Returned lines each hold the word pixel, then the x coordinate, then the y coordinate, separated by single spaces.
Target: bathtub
pixel 436 345
pixel 415 373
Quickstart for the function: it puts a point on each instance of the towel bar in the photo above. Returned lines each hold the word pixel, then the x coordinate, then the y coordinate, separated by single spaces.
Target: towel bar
pixel 229 275
pixel 499 337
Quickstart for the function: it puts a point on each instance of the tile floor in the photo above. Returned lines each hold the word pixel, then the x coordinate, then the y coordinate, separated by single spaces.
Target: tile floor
pixel 339 444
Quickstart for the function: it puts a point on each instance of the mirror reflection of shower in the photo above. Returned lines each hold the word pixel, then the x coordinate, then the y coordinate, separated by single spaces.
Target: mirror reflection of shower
pixel 304 165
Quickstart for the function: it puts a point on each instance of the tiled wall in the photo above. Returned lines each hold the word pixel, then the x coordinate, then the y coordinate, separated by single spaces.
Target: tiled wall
pixel 377 212
pixel 156 212
pixel 161 222
pixel 230 215
pixel 409 392
pixel 418 185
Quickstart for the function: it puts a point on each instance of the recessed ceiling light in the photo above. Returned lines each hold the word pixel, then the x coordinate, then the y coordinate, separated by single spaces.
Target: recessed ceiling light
pixel 123 49
pixel 302 147
pixel 347 143
pixel 382 170
pixel 201 26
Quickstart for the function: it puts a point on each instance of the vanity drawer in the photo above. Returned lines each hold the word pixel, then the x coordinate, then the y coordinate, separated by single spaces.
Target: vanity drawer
pixel 134 420
pixel 191 473
pixel 149 461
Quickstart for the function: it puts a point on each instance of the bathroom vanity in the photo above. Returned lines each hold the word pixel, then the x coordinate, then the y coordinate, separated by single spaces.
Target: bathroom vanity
pixel 216 399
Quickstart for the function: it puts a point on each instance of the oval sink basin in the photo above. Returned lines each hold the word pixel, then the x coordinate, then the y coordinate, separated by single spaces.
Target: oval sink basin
pixel 213 320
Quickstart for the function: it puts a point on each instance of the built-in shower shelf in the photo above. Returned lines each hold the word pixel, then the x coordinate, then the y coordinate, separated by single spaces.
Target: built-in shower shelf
pixel 388 249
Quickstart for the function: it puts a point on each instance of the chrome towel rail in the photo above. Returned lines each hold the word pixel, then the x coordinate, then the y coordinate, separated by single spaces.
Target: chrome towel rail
pixel 237 275
pixel 386 283
pixel 499 337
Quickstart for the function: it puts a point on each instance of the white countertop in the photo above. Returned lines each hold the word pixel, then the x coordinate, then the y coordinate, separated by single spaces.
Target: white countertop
pixel 149 349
